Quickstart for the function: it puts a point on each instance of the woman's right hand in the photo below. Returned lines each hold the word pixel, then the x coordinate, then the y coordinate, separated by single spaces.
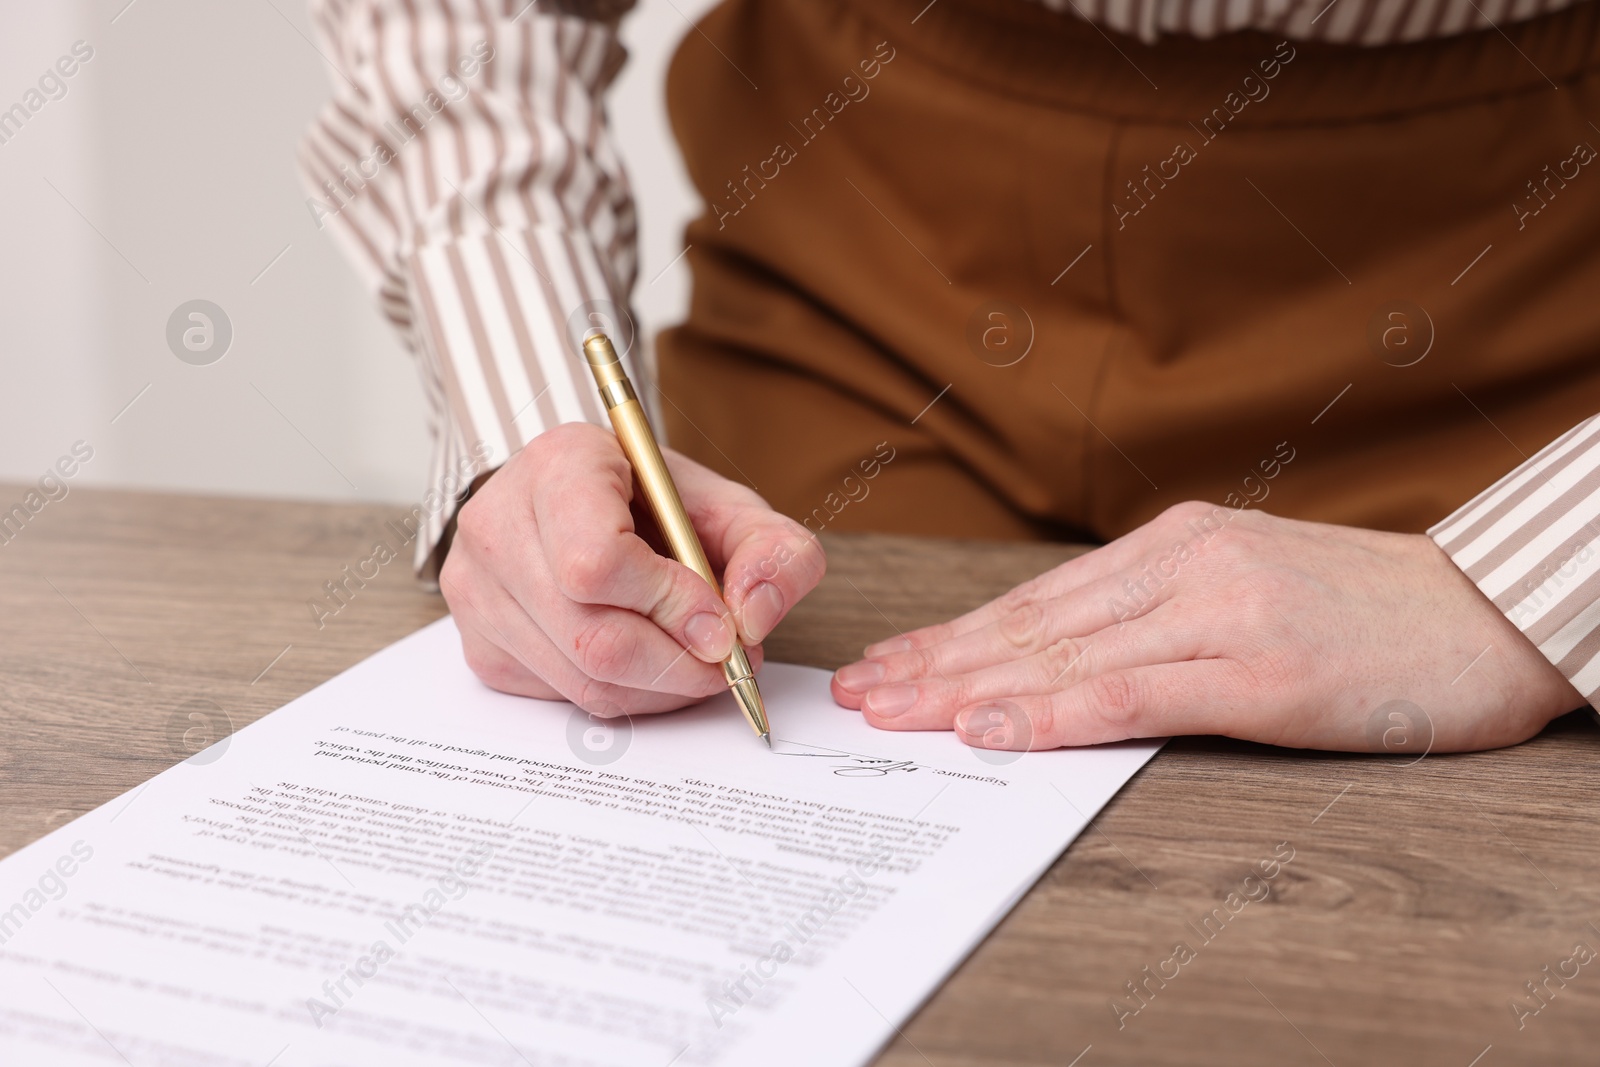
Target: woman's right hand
pixel 557 597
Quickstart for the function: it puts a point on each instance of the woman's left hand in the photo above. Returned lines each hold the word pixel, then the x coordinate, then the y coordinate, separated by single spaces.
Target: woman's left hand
pixel 1208 620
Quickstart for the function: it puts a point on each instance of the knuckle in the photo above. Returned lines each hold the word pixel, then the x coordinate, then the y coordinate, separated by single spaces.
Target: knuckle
pixel 1251 518
pixel 925 639
pixel 1185 512
pixel 542 449
pixel 679 592
pixel 480 662
pixel 452 576
pixel 1042 721
pixel 791 553
pixel 564 437
pixel 911 665
pixel 714 512
pixel 1231 551
pixel 492 667
pixel 1116 699
pixel 472 522
pixel 924 662
pixel 806 549
pixel 1060 658
pixel 903 666
pixel 600 648
pixel 765 569
pixel 959 692
pixel 530 452
pixel 585 572
pixel 592 696
pixel 1021 596
pixel 1021 627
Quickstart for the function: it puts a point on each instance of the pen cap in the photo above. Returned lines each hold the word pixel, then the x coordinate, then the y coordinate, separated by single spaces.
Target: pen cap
pixel 609 374
pixel 598 351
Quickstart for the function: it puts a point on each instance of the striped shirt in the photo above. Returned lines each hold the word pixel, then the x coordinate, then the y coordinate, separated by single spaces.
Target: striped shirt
pixel 465 166
pixel 1528 543
pixel 1363 22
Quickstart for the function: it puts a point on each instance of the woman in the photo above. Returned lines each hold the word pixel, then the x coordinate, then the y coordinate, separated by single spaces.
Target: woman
pixel 985 268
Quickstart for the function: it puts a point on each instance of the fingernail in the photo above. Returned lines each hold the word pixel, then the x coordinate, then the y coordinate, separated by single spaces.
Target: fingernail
pixel 890 700
pixel 889 647
pixel 708 635
pixel 859 677
pixel 989 725
pixel 762 610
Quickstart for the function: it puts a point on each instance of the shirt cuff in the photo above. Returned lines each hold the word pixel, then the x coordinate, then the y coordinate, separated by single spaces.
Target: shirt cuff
pixel 500 318
pixel 1528 543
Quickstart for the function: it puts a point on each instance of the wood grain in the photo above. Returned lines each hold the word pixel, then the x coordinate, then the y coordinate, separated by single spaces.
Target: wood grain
pixel 1419 900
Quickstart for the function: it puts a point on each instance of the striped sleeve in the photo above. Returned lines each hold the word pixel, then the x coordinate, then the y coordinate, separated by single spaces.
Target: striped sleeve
pixel 1528 542
pixel 1364 22
pixel 465 168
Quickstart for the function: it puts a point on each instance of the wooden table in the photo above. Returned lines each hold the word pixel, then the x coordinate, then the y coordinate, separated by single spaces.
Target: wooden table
pixel 1419 901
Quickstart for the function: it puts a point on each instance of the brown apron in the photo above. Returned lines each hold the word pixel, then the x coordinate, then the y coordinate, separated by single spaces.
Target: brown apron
pixel 988 272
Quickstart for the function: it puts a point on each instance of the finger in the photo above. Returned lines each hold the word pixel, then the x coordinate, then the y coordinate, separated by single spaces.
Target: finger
pixel 1146 558
pixel 496 667
pixel 1205 696
pixel 595 557
pixel 602 644
pixel 500 620
pixel 932 703
pixel 768 561
pixel 1094 566
pixel 1025 630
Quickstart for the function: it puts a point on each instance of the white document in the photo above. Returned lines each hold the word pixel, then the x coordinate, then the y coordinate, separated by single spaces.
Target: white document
pixel 404 867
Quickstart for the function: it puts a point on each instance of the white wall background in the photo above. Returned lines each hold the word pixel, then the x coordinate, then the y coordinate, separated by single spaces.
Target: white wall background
pixel 165 174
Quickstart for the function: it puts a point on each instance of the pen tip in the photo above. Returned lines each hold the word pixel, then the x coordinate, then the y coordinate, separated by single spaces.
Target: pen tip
pixel 768 739
pixel 748 696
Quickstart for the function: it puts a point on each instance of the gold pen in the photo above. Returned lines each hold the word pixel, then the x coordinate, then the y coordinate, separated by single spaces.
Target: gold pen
pixel 639 445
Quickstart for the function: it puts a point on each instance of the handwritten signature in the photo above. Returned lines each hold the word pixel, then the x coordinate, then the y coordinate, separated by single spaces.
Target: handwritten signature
pixel 856 765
